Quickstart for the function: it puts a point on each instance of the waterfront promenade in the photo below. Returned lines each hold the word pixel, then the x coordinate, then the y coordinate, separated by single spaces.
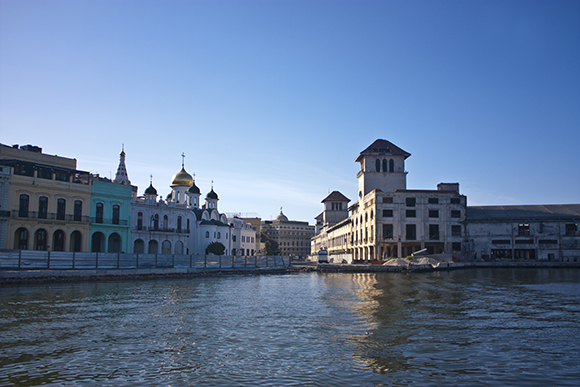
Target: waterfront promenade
pixel 21 266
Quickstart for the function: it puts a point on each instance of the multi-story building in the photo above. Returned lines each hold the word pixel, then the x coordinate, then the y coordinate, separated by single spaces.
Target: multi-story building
pixel 293 237
pixel 48 201
pixel 535 232
pixel 5 173
pixel 388 220
pixel 243 237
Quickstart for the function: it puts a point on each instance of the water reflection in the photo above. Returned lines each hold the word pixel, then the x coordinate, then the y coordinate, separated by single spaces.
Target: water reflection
pixel 465 327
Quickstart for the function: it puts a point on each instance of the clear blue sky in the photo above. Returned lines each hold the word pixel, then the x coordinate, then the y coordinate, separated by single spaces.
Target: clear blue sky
pixel 273 100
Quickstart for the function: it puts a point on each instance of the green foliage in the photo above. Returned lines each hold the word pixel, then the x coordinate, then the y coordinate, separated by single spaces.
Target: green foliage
pixel 215 248
pixel 271 245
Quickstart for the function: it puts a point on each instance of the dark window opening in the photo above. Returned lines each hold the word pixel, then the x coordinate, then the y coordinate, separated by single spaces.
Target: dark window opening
pixel 571 229
pixel 456 214
pixel 391 165
pixel 433 213
pixel 60 209
pixel 433 200
pixel 434 232
pixel 99 213
pixel 456 231
pixel 411 213
pixel 78 210
pixel 387 213
pixel 411 232
pixel 23 206
pixel 42 207
pixel 387 231
pixel 387 200
pixel 116 213
pixel 410 202
pixel 455 201
pixel 523 230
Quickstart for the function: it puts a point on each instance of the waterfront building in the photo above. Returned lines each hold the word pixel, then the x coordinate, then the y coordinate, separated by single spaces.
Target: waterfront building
pixel 180 224
pixel 293 237
pixel 48 201
pixel 5 173
pixel 243 240
pixel 389 220
pixel 530 232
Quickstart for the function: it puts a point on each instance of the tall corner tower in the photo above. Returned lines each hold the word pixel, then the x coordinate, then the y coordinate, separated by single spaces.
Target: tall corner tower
pixel 121 176
pixel 382 166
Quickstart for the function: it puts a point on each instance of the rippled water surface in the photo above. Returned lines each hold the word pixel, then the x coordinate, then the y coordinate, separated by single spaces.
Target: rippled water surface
pixel 472 327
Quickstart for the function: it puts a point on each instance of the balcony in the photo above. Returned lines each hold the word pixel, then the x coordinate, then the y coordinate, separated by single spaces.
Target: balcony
pixel 48 216
pixel 162 229
pixel 108 222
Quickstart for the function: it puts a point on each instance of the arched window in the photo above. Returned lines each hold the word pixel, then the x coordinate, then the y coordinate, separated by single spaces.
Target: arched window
pixel 116 213
pixel 97 241
pixel 77 211
pixel 40 239
pixel 166 247
pixel 23 206
pixel 156 222
pixel 207 234
pixel 179 220
pixel 42 207
pixel 75 241
pixel 378 165
pixel 219 235
pixel 391 165
pixel 165 222
pixel 114 243
pixel 21 239
pixel 60 210
pixel 58 241
pixel 139 247
pixel 187 225
pixel 99 213
pixel 153 246
pixel 385 165
pixel 139 221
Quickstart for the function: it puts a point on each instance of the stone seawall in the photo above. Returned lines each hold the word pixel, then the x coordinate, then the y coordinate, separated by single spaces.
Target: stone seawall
pixel 39 276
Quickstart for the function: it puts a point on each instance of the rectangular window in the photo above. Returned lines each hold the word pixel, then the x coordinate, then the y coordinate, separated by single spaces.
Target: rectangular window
pixel 571 229
pixel 456 231
pixel 411 214
pixel 410 202
pixel 455 246
pixel 42 207
pixel 99 213
pixel 411 232
pixel 117 214
pixel 387 231
pixel 455 201
pixel 387 200
pixel 548 242
pixel 433 213
pixel 387 213
pixel 433 232
pixel 456 214
pixel 433 200
pixel 60 209
pixel 23 206
pixel 78 210
pixel 523 230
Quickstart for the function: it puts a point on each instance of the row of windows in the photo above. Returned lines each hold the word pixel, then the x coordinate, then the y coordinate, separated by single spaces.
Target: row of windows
pixel 42 213
pixel 411 231
pixel 153 247
pixel 154 223
pixel 41 239
pixel 411 202
pixel 388 165
pixel 217 235
pixel 413 213
pixel 571 229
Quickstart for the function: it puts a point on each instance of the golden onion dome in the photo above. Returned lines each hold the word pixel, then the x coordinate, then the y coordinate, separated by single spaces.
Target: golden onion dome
pixel 182 178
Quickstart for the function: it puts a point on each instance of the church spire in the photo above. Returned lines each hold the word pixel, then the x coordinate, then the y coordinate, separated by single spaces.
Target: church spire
pixel 121 177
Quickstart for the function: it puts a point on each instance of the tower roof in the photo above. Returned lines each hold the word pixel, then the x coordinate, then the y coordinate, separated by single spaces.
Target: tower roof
pixel 182 178
pixel 211 195
pixel 194 189
pixel 122 177
pixel 336 196
pixel 151 190
pixel 382 147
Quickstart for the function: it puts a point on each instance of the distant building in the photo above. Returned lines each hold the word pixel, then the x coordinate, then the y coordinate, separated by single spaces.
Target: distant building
pixel 388 220
pixel 110 212
pixel 48 201
pixel 535 232
pixel 243 237
pixel 293 236
pixel 5 173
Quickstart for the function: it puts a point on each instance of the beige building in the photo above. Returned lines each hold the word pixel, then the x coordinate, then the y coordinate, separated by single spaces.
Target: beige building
pixel 48 201
pixel 388 220
pixel 293 236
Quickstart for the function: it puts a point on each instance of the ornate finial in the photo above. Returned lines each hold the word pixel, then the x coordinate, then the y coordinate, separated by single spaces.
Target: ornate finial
pixel 151 179
pixel 280 209
pixel 194 176
pixel 212 184
pixel 182 159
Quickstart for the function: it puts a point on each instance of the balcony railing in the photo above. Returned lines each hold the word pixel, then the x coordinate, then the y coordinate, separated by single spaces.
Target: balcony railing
pixel 163 229
pixel 120 222
pixel 49 216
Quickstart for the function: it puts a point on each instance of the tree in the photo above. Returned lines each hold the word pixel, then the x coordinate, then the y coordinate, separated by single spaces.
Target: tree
pixel 271 245
pixel 215 248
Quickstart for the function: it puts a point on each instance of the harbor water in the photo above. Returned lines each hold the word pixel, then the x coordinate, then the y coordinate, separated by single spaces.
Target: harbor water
pixel 488 327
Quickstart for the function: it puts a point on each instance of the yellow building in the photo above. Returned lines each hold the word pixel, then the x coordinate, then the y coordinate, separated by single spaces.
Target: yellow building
pixel 48 200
